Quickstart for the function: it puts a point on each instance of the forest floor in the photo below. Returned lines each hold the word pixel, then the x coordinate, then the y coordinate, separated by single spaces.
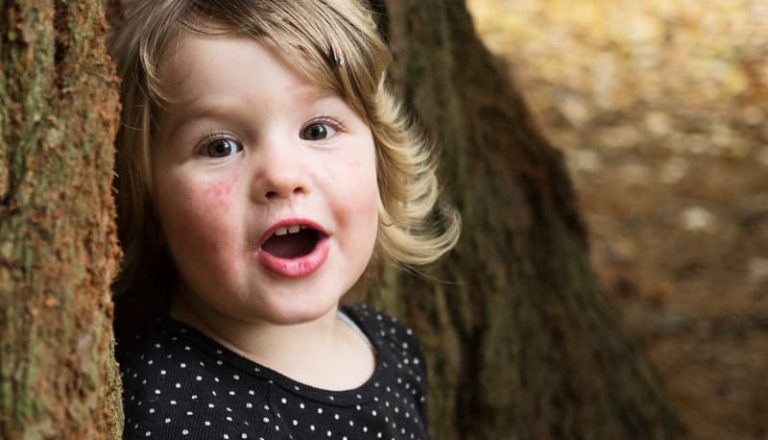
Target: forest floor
pixel 661 110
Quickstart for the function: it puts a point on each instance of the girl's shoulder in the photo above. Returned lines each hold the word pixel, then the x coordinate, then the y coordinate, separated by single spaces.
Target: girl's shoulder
pixel 376 321
pixel 153 345
pixel 177 383
pixel 386 331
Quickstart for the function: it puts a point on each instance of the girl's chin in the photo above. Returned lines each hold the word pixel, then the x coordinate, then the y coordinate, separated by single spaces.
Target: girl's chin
pixel 291 314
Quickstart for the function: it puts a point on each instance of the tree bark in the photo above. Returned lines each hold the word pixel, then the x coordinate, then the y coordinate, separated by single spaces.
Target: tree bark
pixel 58 250
pixel 520 340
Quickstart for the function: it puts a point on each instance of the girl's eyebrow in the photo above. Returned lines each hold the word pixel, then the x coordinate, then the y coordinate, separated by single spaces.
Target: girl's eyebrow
pixel 182 114
pixel 190 113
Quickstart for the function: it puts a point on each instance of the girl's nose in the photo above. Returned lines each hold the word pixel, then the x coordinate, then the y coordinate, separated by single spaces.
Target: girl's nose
pixel 280 174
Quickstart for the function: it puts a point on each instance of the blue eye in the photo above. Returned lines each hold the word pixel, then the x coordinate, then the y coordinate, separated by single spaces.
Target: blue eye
pixel 222 147
pixel 318 131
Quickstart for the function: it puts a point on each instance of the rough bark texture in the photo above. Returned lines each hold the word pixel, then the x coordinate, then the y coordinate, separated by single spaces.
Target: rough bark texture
pixel 58 252
pixel 521 341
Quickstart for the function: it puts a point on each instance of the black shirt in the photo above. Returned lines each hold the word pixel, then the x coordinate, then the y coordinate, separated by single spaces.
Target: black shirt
pixel 180 384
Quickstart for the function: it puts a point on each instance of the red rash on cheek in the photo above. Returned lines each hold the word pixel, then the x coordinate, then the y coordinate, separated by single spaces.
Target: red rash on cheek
pixel 198 215
pixel 219 194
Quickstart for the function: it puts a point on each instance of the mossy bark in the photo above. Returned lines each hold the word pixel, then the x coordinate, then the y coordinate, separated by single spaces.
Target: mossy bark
pixel 520 340
pixel 58 252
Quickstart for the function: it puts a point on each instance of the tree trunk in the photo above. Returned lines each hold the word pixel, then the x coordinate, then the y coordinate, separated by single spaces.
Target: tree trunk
pixel 58 251
pixel 520 340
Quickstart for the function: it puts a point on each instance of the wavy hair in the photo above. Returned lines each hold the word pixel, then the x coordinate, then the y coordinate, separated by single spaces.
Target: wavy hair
pixel 335 44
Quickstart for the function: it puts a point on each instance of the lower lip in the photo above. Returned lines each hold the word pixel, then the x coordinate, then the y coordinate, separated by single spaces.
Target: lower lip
pixel 296 267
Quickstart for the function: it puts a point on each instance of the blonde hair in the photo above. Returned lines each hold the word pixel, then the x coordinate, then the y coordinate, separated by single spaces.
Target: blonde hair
pixel 335 44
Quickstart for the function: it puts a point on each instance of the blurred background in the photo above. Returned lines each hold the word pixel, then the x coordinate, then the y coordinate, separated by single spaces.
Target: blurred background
pixel 661 110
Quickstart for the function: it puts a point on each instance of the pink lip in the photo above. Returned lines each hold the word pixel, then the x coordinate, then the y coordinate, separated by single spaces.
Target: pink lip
pixel 294 267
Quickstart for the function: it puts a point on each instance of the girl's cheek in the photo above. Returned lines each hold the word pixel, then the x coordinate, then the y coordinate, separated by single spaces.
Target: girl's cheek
pixel 219 194
pixel 202 217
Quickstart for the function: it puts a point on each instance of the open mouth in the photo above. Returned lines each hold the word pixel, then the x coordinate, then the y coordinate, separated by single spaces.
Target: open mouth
pixel 292 242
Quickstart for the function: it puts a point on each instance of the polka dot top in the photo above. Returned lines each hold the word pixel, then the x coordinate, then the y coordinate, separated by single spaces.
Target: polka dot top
pixel 180 384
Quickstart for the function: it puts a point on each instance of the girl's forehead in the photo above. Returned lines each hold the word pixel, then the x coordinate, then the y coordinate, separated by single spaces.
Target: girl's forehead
pixel 191 57
pixel 214 60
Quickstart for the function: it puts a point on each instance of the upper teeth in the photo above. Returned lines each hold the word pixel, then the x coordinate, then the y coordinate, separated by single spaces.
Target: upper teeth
pixel 289 230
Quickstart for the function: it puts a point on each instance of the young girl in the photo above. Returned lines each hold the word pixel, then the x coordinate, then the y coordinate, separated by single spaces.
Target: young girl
pixel 265 171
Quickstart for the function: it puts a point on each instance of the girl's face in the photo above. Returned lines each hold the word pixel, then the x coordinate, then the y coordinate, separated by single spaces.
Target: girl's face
pixel 264 183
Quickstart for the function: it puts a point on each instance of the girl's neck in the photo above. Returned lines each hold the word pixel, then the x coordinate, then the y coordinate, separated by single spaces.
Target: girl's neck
pixel 324 353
